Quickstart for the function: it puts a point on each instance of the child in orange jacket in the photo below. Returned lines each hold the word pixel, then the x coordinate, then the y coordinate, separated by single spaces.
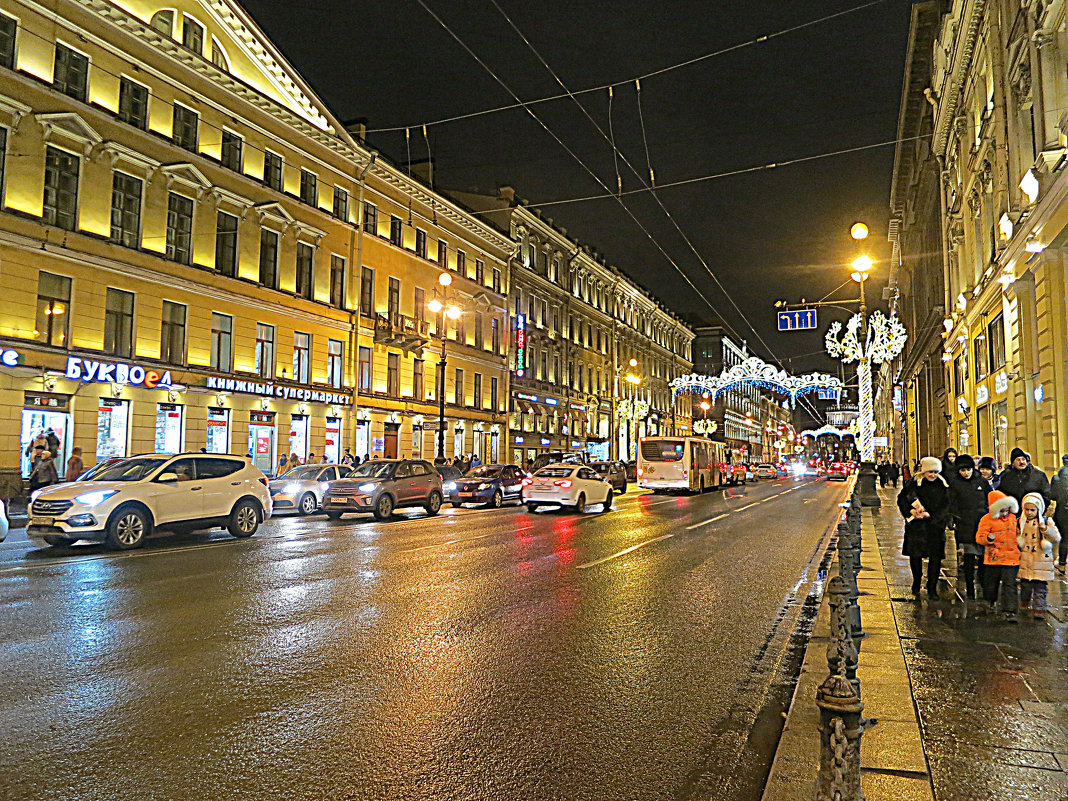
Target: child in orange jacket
pixel 997 534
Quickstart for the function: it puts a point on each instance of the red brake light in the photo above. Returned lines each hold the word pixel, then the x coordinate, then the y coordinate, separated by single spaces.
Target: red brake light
pixel 565 483
pixel 527 481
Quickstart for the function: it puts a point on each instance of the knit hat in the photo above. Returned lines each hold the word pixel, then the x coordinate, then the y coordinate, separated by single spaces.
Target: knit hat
pixel 929 464
pixel 1017 452
pixel 986 463
pixel 964 461
pixel 1037 500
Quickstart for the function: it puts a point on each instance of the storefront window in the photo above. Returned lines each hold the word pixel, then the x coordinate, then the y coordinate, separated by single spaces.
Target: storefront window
pixel 261 440
pixel 218 434
pixel 169 428
pixel 363 428
pixel 417 441
pixel 298 436
pixel 38 421
pixel 332 448
pixel 112 428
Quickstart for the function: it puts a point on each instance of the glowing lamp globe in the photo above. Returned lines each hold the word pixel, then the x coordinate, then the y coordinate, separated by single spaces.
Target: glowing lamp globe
pixel 445 279
pixel 453 312
pixel 859 231
pixel 435 305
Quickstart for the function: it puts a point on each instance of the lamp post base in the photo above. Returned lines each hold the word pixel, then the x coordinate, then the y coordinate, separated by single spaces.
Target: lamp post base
pixel 868 495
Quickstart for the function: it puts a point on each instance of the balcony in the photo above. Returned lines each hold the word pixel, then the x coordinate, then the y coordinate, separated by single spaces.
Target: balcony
pixel 401 331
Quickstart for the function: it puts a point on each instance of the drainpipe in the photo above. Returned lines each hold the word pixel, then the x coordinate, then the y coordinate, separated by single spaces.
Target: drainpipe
pixel 355 256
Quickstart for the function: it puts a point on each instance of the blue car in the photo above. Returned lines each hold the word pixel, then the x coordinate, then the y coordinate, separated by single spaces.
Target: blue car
pixel 489 484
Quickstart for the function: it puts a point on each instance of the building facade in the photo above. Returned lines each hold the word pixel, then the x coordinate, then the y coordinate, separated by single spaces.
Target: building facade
pixel 592 353
pixel 197 254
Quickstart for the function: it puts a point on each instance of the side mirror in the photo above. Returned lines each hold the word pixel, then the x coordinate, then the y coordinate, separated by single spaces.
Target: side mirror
pixel 167 478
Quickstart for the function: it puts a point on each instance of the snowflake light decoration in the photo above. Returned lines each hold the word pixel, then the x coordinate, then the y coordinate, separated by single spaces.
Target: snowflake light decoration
pixel 886 338
pixel 632 410
pixel 756 372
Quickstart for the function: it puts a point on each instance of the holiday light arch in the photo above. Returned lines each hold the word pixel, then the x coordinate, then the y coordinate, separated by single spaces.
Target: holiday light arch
pixel 841 433
pixel 754 371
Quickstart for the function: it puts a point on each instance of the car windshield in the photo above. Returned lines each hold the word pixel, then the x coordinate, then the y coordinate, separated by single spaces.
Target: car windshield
pixel 554 472
pixel 301 473
pixel 485 471
pixel 129 469
pixel 373 469
pixel 767 467
pixel 601 467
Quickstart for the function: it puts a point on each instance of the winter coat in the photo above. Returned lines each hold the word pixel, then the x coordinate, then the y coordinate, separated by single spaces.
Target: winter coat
pixel 1017 483
pixel 925 536
pixel 44 474
pixel 895 472
pixel 968 505
pixel 998 530
pixel 75 467
pixel 1058 489
pixel 948 467
pixel 1036 548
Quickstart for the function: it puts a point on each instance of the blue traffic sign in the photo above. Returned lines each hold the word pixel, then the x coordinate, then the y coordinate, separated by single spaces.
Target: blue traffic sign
pixel 799 320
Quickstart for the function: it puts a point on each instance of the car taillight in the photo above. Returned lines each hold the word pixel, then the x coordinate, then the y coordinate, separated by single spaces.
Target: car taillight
pixel 685 473
pixel 527 481
pixel 565 483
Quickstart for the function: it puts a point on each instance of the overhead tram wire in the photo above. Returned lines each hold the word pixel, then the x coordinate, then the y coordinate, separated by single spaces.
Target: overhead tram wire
pixel 618 154
pixel 523 104
pixel 500 81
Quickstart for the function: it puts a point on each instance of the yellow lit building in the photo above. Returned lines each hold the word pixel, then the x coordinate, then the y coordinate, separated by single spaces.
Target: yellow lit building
pixel 194 253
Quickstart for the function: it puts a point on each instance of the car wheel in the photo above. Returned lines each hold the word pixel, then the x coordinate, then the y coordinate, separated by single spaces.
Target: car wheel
pixel 127 528
pixel 244 519
pixel 433 503
pixel 334 515
pixel 607 501
pixel 58 542
pixel 580 504
pixel 497 501
pixel 532 507
pixel 456 505
pixel 308 504
pixel 384 507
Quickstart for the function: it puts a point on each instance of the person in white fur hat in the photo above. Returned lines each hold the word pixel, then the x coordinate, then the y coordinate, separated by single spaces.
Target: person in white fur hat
pixel 1038 535
pixel 924 502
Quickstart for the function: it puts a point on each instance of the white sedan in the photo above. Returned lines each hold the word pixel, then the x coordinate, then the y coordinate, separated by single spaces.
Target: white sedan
pixel 573 486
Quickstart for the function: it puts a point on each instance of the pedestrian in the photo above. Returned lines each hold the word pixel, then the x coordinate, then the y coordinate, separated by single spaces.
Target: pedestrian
pixel 311 458
pixel 988 469
pixel 884 473
pixel 1038 535
pixel 895 473
pixel 925 504
pixel 968 491
pixel 75 465
pixel 44 474
pixel 475 461
pixel 367 457
pixel 356 461
pixel 948 458
pixel 906 474
pixel 203 450
pixel 1059 490
pixel 52 442
pixel 1022 477
pixel 294 461
pixel 348 458
pixel 283 462
pixel 997 534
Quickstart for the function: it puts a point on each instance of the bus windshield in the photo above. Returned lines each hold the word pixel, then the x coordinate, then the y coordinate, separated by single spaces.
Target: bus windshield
pixel 663 450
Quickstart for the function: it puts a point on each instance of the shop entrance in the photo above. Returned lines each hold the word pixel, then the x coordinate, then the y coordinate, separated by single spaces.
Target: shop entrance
pixel 298 436
pixel 261 440
pixel 169 428
pixel 392 441
pixel 417 441
pixel 218 434
pixel 39 420
pixel 363 428
pixel 112 428
pixel 332 448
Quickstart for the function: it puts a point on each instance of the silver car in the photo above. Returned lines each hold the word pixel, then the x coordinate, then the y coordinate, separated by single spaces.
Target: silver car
pixel 302 488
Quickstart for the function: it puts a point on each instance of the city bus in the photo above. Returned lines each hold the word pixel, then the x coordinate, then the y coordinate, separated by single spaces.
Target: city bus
pixel 693 464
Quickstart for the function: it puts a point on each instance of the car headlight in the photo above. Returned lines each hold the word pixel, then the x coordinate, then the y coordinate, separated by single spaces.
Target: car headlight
pixel 484 486
pixel 291 489
pixel 366 487
pixel 94 498
pixel 450 485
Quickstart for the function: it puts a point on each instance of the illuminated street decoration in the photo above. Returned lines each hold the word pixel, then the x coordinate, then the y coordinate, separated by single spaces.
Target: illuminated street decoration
pixel 705 426
pixel 841 433
pixel 632 409
pixel 883 339
pixel 756 372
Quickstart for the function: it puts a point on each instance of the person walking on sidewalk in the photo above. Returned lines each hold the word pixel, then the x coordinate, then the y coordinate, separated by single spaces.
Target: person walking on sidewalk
pixel 895 473
pixel 75 465
pixel 1038 535
pixel 948 459
pixel 44 472
pixel 968 491
pixel 997 534
pixel 988 470
pixel 924 502
pixel 1059 490
pixel 1022 477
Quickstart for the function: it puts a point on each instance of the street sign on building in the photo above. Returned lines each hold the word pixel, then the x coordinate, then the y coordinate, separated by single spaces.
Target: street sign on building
pixel 797 320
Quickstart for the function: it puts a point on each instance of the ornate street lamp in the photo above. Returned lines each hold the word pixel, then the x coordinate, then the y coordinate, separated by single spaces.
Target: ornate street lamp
pixel 438 305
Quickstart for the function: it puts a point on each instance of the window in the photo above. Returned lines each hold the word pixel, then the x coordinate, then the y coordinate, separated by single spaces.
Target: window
pixel 480 271
pixel 995 335
pixel 126 209
pixel 309 188
pixel 226 244
pixel 495 335
pixel 420 243
pixel 118 323
pixel 980 360
pixel 3 153
pixel 218 56
pixel 960 364
pixel 8 29
pixel 179 228
pixel 269 258
pixel 172 333
pixel 364 375
pixel 443 253
pixel 71 76
pixel 493 394
pixel 302 357
pixel 461 263
pixel 367 292
pixel 477 402
pixel 222 342
pixel 341 203
pixel 163 21
pixel 61 189
pixel 418 389
pixel 192 35
pixel 478 330
pixel 458 388
pixel 53 307
pixel 496 280
pixel 335 352
pixel 185 123
pixel 133 103
pixel 393 301
pixel 370 218
pixel 395 231
pixel 337 281
pixel 461 334
pixel 232 154
pixel 420 304
pixel 272 170
pixel 264 350
pixel 305 270
pixel 393 375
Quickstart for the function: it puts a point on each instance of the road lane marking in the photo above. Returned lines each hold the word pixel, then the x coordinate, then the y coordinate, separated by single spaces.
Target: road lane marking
pixel 462 540
pixel 624 552
pixel 706 522
pixel 742 509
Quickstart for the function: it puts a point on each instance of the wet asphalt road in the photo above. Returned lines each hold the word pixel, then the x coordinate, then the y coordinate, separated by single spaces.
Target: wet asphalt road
pixel 477 655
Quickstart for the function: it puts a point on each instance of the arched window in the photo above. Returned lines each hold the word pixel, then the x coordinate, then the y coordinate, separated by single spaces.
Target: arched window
pixel 218 55
pixel 163 21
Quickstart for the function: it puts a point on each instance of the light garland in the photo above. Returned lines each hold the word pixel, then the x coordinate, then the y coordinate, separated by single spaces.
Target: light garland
pixel 756 372
pixel 705 426
pixel 632 410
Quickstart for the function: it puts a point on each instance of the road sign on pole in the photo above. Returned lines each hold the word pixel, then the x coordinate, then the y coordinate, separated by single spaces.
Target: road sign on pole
pixel 797 320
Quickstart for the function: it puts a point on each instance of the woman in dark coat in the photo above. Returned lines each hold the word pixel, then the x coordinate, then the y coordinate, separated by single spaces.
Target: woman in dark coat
pixel 968 504
pixel 925 504
pixel 948 463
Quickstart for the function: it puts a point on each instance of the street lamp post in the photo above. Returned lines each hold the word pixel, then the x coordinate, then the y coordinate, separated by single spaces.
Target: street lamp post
pixel 452 312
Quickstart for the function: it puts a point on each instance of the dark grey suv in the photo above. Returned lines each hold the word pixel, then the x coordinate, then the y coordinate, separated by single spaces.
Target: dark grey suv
pixel 615 473
pixel 382 485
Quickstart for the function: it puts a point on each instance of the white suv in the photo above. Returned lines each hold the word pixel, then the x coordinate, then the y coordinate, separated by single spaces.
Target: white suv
pixel 124 502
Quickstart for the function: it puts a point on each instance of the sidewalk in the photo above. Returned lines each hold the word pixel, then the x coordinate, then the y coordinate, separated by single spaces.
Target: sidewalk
pixel 967 708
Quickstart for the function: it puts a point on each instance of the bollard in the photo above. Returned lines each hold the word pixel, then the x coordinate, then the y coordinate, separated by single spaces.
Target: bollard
pixel 841 728
pixel 847 558
pixel 841 650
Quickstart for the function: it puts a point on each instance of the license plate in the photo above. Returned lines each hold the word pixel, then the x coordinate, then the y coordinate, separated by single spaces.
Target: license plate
pixel 42 521
pixel 338 500
pixel 466 494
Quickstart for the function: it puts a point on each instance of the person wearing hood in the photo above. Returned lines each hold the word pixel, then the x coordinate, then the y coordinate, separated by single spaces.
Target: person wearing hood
pixel 44 472
pixel 997 534
pixel 1038 534
pixel 1022 477
pixel 968 504
pixel 948 459
pixel 1058 488
pixel 924 502
pixel 988 470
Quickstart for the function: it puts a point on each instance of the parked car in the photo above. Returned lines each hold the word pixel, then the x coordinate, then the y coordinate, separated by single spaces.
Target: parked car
pixel 302 488
pixel 838 471
pixel 632 470
pixel 489 484
pixel 448 474
pixel 382 485
pixel 3 521
pixel 615 473
pixel 566 486
pixel 766 470
pixel 125 502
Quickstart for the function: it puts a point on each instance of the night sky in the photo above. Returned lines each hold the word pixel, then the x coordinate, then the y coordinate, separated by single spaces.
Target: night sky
pixel 779 233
